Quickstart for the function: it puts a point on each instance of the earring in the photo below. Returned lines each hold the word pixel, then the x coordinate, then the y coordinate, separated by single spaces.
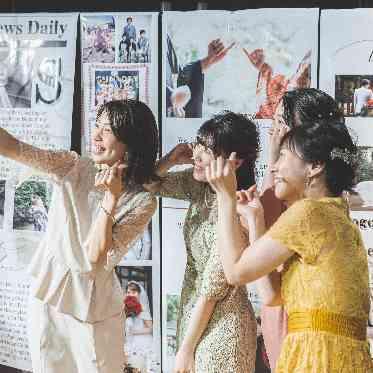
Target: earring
pixel 307 182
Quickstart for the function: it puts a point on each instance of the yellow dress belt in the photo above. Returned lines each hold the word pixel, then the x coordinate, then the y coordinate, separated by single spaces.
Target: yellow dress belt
pixel 319 320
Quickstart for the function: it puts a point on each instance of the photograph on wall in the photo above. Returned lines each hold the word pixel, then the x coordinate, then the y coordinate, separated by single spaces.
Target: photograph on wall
pixel 346 60
pixel 31 204
pixel 15 73
pixel 173 306
pixel 243 61
pixel 354 95
pixel 98 38
pixel 138 306
pixel 107 82
pixel 125 68
pixel 135 39
pixel 116 85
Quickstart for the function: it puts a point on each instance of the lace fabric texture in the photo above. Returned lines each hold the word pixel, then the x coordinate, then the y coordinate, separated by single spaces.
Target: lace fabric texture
pixel 229 341
pixel 328 272
pixel 64 277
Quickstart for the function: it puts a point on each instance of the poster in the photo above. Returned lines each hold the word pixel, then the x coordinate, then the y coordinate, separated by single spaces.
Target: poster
pixel 267 52
pixel 36 93
pixel 346 61
pixel 141 324
pixel 173 256
pixel 120 61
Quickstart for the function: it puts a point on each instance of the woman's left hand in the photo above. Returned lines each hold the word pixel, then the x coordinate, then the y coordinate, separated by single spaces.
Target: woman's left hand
pixel 184 362
pixel 249 206
pixel 221 175
pixel 110 180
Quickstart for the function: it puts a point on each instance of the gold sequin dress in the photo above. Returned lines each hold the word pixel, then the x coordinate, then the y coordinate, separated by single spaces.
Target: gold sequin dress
pixel 325 289
pixel 228 344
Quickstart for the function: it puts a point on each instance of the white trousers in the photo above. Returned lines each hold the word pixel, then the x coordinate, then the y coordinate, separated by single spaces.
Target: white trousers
pixel 60 343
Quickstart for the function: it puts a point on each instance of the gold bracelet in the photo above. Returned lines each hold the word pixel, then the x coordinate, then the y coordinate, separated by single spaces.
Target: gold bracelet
pixel 111 216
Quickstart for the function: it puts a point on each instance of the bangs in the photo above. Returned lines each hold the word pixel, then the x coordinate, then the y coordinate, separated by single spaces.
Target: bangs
pixel 290 142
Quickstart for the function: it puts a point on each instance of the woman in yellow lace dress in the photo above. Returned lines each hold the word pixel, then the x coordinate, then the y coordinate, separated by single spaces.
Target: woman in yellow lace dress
pixel 324 286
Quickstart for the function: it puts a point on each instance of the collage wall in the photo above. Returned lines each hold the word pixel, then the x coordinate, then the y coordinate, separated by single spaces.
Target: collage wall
pixel 266 52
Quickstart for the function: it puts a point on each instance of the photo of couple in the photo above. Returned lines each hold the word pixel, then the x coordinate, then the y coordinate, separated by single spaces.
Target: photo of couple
pixel 268 58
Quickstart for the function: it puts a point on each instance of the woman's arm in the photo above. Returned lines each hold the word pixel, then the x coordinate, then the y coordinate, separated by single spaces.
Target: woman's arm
pixel 254 263
pixel 100 238
pixel 9 145
pixel 197 324
pixel 242 265
pixel 180 154
pixel 57 163
pixel 179 185
pixel 114 241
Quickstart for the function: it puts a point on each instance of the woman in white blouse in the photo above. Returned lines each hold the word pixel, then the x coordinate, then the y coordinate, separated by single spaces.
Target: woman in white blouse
pixel 75 307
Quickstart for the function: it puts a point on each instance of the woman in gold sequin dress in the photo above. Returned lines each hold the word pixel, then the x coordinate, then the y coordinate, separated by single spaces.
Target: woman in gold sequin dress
pixel 216 329
pixel 324 286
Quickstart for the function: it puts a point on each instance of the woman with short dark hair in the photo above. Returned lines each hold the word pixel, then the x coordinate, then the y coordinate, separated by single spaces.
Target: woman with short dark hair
pixel 76 324
pixel 216 324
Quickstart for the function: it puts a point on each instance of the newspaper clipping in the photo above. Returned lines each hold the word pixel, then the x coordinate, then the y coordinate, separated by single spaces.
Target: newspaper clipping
pixel 36 90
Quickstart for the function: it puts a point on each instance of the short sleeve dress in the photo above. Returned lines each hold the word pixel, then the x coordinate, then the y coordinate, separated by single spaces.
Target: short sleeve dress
pixel 324 288
pixel 229 342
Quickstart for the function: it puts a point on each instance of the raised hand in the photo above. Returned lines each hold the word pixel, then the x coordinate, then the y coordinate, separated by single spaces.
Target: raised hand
pixel 110 179
pixel 221 175
pixel 181 154
pixel 249 206
pixel 256 57
pixel 215 53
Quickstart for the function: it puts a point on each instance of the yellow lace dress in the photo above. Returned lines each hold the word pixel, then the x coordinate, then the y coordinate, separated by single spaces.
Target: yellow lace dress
pixel 325 289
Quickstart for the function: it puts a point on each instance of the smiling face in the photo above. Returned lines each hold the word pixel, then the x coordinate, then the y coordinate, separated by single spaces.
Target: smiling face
pixel 107 149
pixel 290 176
pixel 202 157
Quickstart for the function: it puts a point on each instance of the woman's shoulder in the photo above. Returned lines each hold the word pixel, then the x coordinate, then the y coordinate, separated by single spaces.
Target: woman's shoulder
pixel 138 198
pixel 304 206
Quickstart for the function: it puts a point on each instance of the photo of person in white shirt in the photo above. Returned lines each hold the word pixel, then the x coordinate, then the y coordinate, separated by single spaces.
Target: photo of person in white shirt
pixel 361 97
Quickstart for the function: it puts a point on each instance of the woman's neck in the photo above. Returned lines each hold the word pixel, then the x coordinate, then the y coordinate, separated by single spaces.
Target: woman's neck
pixel 315 191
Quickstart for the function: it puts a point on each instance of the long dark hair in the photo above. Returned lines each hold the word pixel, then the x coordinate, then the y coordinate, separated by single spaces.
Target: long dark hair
pixel 133 124
pixel 230 132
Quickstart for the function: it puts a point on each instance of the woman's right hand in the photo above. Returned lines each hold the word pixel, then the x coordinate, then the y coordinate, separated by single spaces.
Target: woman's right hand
pixel 181 154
